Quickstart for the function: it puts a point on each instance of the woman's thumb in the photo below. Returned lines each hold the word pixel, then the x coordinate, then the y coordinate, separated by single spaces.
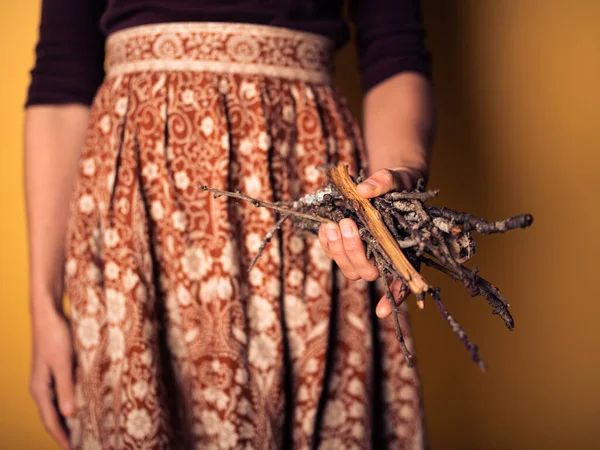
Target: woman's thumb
pixel 381 182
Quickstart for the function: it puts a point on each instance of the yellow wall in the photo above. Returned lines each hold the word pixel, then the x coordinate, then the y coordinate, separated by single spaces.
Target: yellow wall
pixel 19 427
pixel 519 112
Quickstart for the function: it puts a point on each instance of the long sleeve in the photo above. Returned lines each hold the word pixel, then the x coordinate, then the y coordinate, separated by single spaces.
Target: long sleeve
pixel 389 39
pixel 69 64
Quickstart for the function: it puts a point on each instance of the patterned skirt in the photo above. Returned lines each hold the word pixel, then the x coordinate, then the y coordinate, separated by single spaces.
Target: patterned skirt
pixel 177 344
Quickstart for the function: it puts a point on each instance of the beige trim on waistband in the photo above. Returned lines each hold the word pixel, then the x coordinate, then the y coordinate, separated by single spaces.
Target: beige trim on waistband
pixel 223 48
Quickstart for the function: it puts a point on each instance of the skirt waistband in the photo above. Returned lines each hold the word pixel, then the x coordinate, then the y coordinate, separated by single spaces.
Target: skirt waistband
pixel 221 47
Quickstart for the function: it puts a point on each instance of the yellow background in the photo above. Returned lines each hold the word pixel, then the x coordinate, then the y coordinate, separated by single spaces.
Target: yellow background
pixel 519 114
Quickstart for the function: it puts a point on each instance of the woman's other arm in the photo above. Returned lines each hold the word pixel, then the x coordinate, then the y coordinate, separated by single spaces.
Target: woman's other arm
pixel 53 139
pixel 67 73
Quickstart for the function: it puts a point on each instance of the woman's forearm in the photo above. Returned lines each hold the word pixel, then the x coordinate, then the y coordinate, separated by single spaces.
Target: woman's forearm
pixel 54 136
pixel 398 123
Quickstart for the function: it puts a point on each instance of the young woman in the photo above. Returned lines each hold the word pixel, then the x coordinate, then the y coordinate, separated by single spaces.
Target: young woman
pixel 169 341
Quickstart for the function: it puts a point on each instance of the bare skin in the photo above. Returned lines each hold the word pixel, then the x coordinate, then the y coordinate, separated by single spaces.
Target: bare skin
pixel 53 139
pixel 398 123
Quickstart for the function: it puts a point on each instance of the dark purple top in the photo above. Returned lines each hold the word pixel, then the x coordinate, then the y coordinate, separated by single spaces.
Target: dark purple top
pixel 69 63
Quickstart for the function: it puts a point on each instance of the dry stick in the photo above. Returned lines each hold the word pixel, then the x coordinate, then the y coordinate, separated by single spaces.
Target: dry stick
pixel 415 235
pixel 445 250
pixel 267 239
pixel 372 219
pixel 422 196
pixel 433 250
pixel 420 211
pixel 421 301
pixel 370 242
pixel 493 297
pixel 458 330
pixel 257 203
pixel 374 249
pixel 387 218
pixel 481 225
pixel 395 310
pixel 487 290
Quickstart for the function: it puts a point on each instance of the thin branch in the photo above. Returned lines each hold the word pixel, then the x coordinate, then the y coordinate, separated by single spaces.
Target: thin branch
pixel 267 239
pixel 458 330
pixel 257 203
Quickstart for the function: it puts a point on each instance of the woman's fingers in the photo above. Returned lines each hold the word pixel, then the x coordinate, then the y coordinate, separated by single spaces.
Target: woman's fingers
pixel 331 240
pixel 43 395
pixel 65 389
pixel 343 244
pixel 384 309
pixel 356 252
pixel 52 383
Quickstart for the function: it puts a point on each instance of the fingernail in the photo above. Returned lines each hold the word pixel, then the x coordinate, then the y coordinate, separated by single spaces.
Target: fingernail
pixel 369 184
pixel 347 230
pixel 332 234
pixel 67 409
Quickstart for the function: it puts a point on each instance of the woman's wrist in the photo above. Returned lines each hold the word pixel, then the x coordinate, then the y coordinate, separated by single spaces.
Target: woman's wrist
pixel 398 125
pixel 46 297
pixel 410 164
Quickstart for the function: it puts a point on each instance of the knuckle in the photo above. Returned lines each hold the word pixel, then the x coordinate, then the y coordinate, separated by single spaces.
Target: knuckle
pixel 336 250
pixel 371 275
pixel 386 176
pixel 352 275
pixel 353 246
pixel 36 391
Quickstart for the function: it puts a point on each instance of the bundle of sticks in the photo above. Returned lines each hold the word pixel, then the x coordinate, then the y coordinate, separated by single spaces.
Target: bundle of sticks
pixel 400 232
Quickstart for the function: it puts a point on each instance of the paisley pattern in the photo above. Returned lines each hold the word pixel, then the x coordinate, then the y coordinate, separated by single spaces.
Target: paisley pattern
pixel 177 345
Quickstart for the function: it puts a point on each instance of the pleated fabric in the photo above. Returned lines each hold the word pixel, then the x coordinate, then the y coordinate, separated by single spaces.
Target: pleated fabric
pixel 177 344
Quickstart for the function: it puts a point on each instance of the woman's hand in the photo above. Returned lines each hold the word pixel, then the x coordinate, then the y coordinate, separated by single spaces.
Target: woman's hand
pixel 52 373
pixel 342 243
pixel 398 123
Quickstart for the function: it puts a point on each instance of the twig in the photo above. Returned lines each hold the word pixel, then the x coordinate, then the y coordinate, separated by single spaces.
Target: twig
pixel 395 311
pixel 471 348
pixel 257 203
pixel 421 196
pixel 267 239
pixel 486 290
pixel 480 225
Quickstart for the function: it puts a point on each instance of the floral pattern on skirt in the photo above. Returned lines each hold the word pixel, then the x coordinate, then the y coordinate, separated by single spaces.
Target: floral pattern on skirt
pixel 177 345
